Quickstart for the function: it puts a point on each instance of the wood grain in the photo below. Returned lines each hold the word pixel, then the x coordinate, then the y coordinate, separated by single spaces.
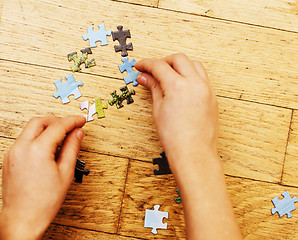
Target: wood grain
pixel 244 62
pixel 58 232
pixel 252 137
pixel 152 3
pixel 251 201
pixel 282 14
pixel 290 173
pixel 96 203
pixel 1 8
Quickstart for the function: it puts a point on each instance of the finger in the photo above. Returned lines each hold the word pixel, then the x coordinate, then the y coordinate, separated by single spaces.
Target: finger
pixel 68 155
pixel 35 127
pixel 160 70
pixel 146 80
pixel 56 132
pixel 201 70
pixel 181 64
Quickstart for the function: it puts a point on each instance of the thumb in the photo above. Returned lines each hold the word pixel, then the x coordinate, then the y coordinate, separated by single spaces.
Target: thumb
pixel 149 82
pixel 68 155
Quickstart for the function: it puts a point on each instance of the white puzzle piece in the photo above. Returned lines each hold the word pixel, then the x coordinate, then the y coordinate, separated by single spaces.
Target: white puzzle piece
pixel 154 218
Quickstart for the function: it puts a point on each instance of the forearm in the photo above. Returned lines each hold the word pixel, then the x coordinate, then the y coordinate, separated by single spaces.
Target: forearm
pixel 11 230
pixel 207 208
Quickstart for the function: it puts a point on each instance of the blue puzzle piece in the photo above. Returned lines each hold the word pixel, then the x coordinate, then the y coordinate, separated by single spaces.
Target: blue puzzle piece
pixel 70 87
pixel 284 206
pixel 131 74
pixel 100 35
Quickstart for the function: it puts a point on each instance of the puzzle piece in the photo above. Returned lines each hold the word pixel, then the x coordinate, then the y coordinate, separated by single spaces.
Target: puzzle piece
pixel 284 206
pixel 118 99
pixel 65 89
pixel 163 165
pixel 154 218
pixel 121 36
pixel 80 171
pixel 97 107
pixel 131 74
pixel 91 110
pixel 78 61
pixel 100 35
pixel 178 199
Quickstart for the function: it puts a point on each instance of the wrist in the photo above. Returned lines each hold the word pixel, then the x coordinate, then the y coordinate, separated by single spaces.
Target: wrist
pixel 197 170
pixel 12 229
pixel 193 161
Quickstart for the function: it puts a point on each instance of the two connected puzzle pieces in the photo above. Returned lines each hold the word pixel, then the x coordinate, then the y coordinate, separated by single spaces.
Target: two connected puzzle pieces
pixel 96 107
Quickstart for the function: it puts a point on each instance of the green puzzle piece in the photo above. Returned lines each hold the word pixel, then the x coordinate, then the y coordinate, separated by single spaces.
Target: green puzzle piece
pixel 99 108
pixel 80 60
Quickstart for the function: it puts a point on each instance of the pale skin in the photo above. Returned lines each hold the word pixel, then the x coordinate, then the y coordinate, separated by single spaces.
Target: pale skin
pixel 186 117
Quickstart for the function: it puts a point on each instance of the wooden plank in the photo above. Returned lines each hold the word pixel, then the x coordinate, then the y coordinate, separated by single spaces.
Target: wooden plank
pixel 244 62
pixel 1 9
pixel 252 137
pixel 58 232
pixel 151 3
pixel 245 129
pixel 281 14
pixel 290 174
pixel 251 201
pixel 95 203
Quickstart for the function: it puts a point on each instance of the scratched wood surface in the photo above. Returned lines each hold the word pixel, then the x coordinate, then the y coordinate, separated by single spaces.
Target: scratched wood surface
pixel 290 174
pixel 281 14
pixel 252 68
pixel 244 62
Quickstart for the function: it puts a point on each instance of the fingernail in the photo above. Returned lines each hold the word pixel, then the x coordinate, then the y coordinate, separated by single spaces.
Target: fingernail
pixel 80 134
pixel 141 79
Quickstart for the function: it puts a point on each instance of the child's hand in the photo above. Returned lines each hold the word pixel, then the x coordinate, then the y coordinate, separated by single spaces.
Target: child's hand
pixel 35 178
pixel 186 117
pixel 184 105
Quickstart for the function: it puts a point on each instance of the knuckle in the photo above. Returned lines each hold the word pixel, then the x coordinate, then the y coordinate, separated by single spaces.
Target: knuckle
pixel 157 63
pixel 35 121
pixel 179 56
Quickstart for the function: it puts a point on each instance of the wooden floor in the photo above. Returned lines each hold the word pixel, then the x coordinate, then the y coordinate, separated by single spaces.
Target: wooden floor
pixel 250 49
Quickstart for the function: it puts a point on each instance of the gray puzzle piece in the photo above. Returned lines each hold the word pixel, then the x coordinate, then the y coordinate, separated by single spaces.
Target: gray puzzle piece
pixel 284 206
